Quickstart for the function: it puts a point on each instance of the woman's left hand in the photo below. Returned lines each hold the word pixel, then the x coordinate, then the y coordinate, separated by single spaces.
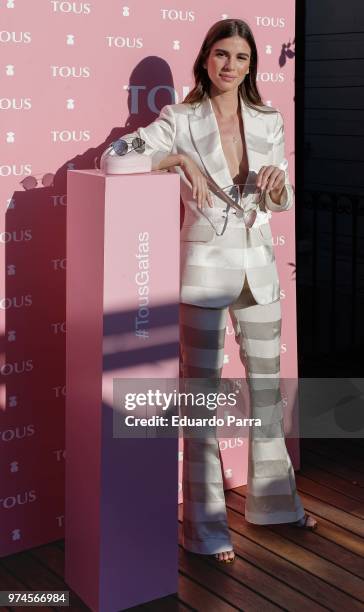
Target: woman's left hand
pixel 272 179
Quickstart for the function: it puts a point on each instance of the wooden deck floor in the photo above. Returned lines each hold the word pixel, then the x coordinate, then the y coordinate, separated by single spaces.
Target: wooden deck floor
pixel 277 567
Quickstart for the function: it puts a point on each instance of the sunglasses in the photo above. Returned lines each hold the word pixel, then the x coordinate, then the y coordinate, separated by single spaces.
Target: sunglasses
pixel 244 198
pixel 30 182
pixel 122 147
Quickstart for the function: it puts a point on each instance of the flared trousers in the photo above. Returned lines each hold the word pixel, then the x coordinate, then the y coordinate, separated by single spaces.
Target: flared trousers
pixel 271 489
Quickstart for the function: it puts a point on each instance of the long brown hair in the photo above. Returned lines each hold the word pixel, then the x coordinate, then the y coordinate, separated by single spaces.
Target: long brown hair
pixel 248 87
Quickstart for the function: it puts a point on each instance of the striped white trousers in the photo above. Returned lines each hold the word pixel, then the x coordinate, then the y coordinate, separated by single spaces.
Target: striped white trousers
pixel 271 489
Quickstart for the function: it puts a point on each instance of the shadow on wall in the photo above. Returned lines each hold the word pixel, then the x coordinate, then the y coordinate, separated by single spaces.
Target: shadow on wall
pixel 35 280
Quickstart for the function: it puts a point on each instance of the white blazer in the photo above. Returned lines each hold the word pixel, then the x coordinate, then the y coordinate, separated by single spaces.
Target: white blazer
pixel 217 249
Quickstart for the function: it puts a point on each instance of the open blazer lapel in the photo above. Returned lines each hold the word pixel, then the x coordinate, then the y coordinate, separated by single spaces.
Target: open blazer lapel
pixel 206 138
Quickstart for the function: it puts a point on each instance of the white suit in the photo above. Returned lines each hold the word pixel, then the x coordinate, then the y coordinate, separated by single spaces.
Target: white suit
pixel 217 250
pixel 218 253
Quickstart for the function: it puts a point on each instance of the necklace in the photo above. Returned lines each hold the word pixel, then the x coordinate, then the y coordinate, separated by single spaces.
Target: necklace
pixel 230 134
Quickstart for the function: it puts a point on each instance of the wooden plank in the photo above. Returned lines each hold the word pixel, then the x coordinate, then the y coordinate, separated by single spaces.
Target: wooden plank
pixel 256 552
pixel 260 581
pixel 10 582
pixel 166 604
pixel 277 566
pixel 335 498
pixel 340 517
pixel 51 556
pixel 333 524
pixel 334 467
pixel 37 576
pixel 327 450
pixel 347 446
pixel 324 546
pixel 221 584
pixel 350 586
pixel 328 479
pixel 194 595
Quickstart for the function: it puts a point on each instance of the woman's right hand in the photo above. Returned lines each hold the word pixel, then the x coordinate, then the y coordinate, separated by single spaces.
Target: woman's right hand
pixel 200 190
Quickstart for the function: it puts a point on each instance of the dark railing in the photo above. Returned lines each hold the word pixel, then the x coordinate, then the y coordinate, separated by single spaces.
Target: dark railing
pixel 330 282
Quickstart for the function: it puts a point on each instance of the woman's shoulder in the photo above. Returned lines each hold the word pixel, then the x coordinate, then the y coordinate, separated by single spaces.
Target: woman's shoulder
pixel 268 111
pixel 271 116
pixel 180 109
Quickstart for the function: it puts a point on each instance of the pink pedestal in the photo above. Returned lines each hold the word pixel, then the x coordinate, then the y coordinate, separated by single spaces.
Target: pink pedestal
pixel 121 494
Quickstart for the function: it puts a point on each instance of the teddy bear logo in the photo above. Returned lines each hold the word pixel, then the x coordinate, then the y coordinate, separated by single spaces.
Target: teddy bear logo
pixel 10 136
pixel 70 39
pixel 10 4
pixel 11 270
pixel 12 401
pixel 14 466
pixel 11 335
pixel 176 45
pixel 15 534
pixel 9 70
pixel 70 104
pixel 126 11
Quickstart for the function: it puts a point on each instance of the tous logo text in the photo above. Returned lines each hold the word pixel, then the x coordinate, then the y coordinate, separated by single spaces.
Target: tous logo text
pixel 79 8
pixel 124 41
pixel 18 500
pixel 231 443
pixel 70 71
pixel 272 22
pixel 59 328
pixel 20 235
pixel 15 103
pixel 17 367
pixel 177 15
pixel 273 77
pixel 15 37
pixel 14 170
pixel 17 433
pixel 70 135
pixel 135 90
pixel 19 301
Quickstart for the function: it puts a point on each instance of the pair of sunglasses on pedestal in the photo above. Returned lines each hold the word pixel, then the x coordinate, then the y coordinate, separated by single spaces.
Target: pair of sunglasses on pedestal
pixel 122 147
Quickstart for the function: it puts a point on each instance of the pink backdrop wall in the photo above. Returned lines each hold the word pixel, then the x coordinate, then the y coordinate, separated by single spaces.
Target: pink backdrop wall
pixel 76 75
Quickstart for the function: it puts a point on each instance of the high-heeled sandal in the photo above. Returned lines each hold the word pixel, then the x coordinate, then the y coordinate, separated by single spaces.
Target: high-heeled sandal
pixel 302 523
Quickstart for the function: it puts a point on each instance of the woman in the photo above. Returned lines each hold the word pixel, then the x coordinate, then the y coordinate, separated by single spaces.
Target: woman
pixel 222 134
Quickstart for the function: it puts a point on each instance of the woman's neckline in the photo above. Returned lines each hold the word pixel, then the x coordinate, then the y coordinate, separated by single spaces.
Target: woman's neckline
pixel 239 113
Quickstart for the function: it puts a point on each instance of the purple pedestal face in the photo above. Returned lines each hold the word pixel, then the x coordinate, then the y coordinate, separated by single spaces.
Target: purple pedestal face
pixel 121 528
